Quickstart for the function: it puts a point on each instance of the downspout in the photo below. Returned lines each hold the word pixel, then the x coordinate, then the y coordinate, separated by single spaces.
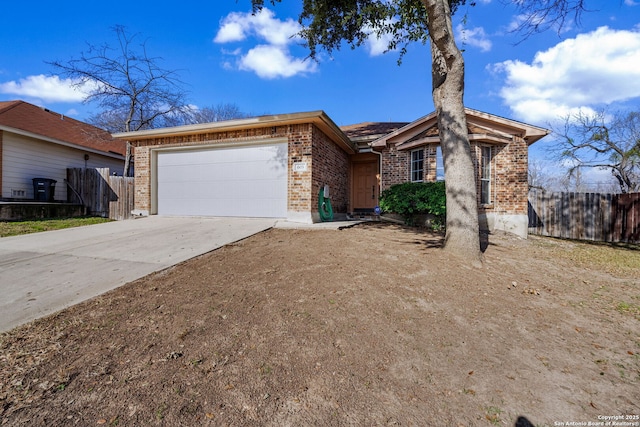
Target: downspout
pixel 77 195
pixel 380 171
pixel 371 150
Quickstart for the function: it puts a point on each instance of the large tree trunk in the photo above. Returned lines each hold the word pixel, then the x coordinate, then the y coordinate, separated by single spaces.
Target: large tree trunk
pixel 462 235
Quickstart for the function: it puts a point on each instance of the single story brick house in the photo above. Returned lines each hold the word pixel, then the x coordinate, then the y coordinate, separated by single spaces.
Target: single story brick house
pixel 274 166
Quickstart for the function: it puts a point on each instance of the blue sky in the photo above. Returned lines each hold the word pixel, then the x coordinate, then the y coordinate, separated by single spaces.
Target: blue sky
pixel 226 55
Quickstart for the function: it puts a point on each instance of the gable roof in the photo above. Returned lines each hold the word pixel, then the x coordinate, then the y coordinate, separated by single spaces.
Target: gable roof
pixel 31 120
pixel 480 126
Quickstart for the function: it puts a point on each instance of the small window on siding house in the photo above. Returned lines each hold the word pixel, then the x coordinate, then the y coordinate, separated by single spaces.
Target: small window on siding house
pixel 485 175
pixel 417 165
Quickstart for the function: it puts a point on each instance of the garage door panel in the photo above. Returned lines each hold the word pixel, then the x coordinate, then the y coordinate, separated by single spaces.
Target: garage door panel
pixel 240 181
pixel 228 172
pixel 225 207
pixel 226 190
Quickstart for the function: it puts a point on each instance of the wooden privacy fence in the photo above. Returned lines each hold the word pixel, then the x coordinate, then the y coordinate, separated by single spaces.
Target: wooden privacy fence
pixel 101 193
pixel 585 216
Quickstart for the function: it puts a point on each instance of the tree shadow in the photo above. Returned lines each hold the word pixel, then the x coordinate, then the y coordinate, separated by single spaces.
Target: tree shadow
pixel 424 237
pixel 427 238
pixel 523 422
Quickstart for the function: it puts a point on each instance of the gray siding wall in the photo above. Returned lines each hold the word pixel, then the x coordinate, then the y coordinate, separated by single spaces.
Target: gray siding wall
pixel 25 158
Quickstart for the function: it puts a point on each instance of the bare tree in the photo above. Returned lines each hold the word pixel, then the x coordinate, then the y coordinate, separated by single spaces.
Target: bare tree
pixel 539 176
pixel 603 142
pixel 132 89
pixel 112 120
pixel 541 15
pixel 215 113
pixel 553 179
pixel 572 182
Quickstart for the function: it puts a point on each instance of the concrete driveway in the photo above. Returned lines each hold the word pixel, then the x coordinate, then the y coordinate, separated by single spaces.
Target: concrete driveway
pixel 43 273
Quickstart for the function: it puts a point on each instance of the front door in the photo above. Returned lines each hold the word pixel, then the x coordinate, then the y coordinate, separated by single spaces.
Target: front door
pixel 365 180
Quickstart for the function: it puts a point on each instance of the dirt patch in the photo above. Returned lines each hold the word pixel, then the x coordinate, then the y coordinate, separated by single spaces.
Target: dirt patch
pixel 371 325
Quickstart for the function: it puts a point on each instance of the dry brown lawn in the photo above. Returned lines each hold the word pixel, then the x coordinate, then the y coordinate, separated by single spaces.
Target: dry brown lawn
pixel 370 325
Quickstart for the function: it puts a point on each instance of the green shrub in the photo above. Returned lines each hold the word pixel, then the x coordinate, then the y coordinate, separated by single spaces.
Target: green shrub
pixel 412 199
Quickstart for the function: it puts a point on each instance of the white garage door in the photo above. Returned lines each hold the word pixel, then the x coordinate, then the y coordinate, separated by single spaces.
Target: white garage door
pixel 249 181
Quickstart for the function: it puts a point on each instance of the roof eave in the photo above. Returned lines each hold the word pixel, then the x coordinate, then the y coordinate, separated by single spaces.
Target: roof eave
pixel 532 137
pixel 383 141
pixel 328 126
pixel 318 118
pixel 529 132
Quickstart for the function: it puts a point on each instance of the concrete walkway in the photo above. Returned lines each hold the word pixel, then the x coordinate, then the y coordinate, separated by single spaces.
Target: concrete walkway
pixel 43 273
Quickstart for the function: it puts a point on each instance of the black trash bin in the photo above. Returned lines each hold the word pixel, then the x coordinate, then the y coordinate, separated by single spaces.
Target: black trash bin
pixel 44 189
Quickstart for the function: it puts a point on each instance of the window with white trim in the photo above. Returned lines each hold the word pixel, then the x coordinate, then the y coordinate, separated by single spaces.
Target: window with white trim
pixel 417 165
pixel 485 175
pixel 439 164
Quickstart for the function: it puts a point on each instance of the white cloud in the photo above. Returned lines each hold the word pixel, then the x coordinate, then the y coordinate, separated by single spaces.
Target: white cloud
pixel 631 2
pixel 270 62
pixel 46 88
pixel 231 29
pixel 377 45
pixel 592 69
pixel 475 37
pixel 273 30
pixel 234 52
pixel 238 26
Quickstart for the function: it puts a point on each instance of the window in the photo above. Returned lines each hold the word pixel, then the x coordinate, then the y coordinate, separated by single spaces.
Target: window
pixel 439 165
pixel 485 176
pixel 417 165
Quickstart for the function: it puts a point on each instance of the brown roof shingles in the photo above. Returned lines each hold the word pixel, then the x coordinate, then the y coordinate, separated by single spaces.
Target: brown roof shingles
pixel 30 118
pixel 369 129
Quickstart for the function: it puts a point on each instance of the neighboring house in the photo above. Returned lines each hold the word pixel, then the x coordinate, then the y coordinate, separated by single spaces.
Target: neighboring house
pixel 38 143
pixel 274 166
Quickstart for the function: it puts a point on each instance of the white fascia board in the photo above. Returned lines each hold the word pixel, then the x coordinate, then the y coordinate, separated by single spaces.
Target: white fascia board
pixel 319 118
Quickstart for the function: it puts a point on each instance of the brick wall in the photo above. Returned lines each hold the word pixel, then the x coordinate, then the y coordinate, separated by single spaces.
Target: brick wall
pixel 430 157
pixel 510 177
pixel 326 162
pixel 331 166
pixel 395 167
pixel 142 197
pixel 300 151
pixel 1 172
pixel 509 185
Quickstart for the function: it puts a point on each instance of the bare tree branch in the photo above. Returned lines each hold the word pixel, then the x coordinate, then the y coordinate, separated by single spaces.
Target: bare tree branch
pixel 541 15
pixel 603 142
pixel 131 88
